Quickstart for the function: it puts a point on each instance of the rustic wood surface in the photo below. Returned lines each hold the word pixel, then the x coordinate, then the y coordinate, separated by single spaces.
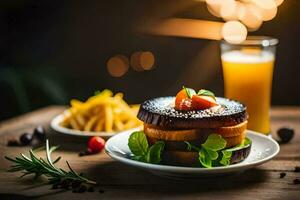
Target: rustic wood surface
pixel 119 181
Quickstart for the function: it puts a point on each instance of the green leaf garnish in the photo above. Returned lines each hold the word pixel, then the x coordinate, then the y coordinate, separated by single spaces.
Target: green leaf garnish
pixel 154 153
pixel 139 147
pixel 214 142
pixel 226 157
pixel 204 158
pixel 245 143
pixel 209 150
pixel 204 92
pixel 138 144
pixel 189 92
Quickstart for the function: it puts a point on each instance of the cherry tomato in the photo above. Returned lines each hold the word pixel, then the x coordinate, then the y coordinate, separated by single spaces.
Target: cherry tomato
pixel 203 102
pixel 183 101
pixel 96 144
pixel 180 97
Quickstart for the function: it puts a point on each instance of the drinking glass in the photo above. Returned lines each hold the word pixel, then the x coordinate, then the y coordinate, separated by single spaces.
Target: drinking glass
pixel 247 72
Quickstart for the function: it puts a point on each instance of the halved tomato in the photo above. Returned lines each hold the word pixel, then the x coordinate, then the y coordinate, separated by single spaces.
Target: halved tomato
pixel 183 101
pixel 203 102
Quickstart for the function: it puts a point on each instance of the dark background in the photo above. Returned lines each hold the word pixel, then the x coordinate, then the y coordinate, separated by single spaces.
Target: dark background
pixel 51 51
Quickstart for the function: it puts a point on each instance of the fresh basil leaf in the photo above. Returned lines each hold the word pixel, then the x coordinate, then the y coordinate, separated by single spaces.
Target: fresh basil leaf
pixel 138 143
pixel 214 142
pixel 206 93
pixel 154 153
pixel 204 158
pixel 212 154
pixel 247 142
pixel 139 158
pixel 226 157
pixel 189 91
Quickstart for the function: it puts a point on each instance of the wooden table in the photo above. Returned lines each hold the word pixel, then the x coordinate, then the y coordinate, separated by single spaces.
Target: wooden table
pixel 120 181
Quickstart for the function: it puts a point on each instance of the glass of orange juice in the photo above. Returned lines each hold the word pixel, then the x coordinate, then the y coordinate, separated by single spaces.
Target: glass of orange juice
pixel 248 71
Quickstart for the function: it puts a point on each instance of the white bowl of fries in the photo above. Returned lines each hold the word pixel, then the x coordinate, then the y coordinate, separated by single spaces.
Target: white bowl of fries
pixel 103 114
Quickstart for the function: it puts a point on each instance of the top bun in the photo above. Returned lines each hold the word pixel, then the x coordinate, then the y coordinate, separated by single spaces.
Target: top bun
pixel 161 112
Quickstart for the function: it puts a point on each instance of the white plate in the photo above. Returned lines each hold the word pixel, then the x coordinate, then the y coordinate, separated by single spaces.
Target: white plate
pixel 263 149
pixel 55 125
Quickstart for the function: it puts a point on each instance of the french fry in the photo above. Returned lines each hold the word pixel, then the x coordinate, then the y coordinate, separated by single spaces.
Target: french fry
pixel 88 126
pixel 108 118
pixel 99 125
pixel 101 112
pixel 74 124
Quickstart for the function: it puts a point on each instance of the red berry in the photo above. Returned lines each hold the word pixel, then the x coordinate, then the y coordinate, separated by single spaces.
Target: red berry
pixel 96 144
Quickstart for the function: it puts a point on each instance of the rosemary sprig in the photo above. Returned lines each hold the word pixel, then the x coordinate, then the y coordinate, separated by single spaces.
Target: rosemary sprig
pixel 39 166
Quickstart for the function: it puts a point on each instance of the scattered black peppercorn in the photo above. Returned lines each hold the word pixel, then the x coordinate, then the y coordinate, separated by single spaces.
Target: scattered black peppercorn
pixel 55 186
pixel 13 143
pixel 285 134
pixel 82 188
pixel 25 139
pixel 85 153
pixel 101 191
pixel 282 174
pixel 91 189
pixel 75 184
pixel 296 181
pixel 65 184
pixel 297 169
pixel 39 133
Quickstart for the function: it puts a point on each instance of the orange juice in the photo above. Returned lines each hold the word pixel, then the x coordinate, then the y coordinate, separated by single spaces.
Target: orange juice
pixel 248 79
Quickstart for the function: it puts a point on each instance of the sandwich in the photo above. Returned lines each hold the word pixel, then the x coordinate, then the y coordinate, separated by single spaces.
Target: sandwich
pixel 196 129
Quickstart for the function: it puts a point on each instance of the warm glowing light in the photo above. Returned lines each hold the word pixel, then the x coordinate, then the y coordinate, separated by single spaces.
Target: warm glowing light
pixel 147 60
pixel 234 32
pixel 214 7
pixel 251 17
pixel 268 8
pixel 278 2
pixel 229 10
pixel 246 1
pixel 135 62
pixel 190 28
pixel 142 60
pixel 251 13
pixel 117 65
pixel 240 9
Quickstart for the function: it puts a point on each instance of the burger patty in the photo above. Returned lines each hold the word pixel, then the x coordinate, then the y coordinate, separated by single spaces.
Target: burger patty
pixel 161 112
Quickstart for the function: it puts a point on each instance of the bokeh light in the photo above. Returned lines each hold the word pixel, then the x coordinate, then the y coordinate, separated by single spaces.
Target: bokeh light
pixel 135 61
pixel 279 2
pixel 268 8
pixel 251 13
pixel 117 65
pixel 147 60
pixel 229 10
pixel 234 32
pixel 251 17
pixel 142 60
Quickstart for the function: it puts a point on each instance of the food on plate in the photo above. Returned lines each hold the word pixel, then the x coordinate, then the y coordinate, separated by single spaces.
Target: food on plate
pixel 191 129
pixel 101 112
